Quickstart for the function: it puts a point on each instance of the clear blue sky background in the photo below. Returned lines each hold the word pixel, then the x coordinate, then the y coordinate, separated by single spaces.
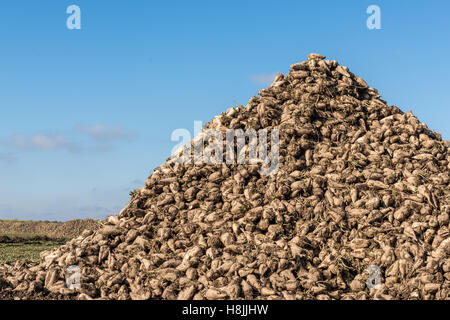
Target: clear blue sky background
pixel 85 115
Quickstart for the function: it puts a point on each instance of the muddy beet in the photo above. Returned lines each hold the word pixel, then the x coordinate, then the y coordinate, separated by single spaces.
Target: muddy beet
pixel 360 185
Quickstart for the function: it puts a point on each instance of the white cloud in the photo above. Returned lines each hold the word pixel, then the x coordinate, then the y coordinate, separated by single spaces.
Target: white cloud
pixel 40 142
pixel 264 79
pixel 102 132
pixel 101 135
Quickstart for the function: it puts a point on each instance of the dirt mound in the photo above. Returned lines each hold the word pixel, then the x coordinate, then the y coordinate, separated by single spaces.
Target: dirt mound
pixel 360 186
pixel 55 230
pixel 37 238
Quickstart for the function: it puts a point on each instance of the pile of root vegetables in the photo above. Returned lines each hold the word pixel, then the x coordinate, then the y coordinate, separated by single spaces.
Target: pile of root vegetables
pixel 359 184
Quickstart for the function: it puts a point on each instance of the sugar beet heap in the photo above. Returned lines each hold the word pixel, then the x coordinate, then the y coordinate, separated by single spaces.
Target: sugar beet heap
pixel 359 184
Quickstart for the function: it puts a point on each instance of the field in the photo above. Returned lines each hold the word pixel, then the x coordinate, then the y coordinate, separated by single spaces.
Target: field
pixel 25 240
pixel 17 247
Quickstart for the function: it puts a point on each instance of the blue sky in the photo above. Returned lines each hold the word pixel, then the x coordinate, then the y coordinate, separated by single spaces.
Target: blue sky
pixel 85 115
